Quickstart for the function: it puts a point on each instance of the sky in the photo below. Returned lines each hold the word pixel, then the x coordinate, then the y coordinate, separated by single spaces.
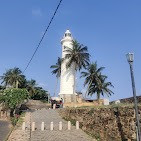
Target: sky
pixel 109 28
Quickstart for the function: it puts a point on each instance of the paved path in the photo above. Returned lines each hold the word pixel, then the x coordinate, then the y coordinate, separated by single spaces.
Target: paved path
pixel 48 116
pixel 4 129
pixel 18 134
pixel 64 135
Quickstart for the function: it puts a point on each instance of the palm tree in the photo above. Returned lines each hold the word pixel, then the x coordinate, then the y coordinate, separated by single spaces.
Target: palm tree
pixel 6 77
pixel 96 81
pixel 31 86
pixel 91 75
pixel 40 94
pixel 57 71
pixel 13 77
pixel 101 88
pixel 77 56
pixel 2 87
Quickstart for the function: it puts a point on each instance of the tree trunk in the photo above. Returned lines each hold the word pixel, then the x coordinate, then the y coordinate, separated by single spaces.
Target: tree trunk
pixel 17 83
pixel 74 82
pixel 55 90
pixel 85 96
pixel 87 90
pixel 98 98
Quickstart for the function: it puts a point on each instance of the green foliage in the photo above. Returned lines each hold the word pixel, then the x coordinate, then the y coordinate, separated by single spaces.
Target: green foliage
pixel 73 121
pixel 13 77
pixel 17 119
pixel 96 136
pixel 40 94
pixel 57 67
pixel 36 93
pixel 14 120
pixel 91 74
pixel 12 97
pixel 96 81
pixel 101 88
pixel 30 86
pixel 77 55
pixel 20 119
pixel 57 71
pixel 2 87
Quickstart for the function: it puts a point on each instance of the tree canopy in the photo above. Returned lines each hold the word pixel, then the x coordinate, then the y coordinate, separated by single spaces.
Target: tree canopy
pixel 12 98
pixel 96 81
pixel 77 55
pixel 13 77
pixel 57 67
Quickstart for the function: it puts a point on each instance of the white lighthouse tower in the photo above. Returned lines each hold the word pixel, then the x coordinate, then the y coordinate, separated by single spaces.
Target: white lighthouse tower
pixel 67 81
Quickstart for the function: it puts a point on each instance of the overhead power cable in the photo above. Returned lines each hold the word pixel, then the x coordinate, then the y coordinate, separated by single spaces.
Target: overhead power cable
pixel 43 36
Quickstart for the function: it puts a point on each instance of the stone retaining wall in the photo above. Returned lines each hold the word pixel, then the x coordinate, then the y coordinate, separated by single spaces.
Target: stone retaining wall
pixel 105 124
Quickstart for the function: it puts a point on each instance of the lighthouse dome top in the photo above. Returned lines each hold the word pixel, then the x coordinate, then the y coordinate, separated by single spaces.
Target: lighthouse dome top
pixel 67 36
pixel 68 32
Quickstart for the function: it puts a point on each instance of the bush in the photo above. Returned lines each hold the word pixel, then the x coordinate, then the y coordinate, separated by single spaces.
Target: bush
pixel 12 98
pixel 14 120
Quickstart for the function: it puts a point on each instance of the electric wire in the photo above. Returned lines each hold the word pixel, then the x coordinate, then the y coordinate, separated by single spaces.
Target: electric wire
pixel 43 36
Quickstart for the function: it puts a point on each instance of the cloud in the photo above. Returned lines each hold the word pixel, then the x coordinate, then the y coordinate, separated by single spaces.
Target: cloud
pixel 37 12
pixel 42 85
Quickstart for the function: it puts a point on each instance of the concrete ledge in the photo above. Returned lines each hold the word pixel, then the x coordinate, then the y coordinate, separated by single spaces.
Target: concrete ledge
pixel 83 104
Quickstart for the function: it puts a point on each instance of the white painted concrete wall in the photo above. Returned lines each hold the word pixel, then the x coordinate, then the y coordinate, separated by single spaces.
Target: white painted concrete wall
pixel 67 75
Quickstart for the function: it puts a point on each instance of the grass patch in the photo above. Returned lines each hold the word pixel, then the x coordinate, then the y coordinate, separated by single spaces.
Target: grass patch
pixel 21 119
pixel 73 121
pixel 14 120
pixel 95 136
pixel 18 119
